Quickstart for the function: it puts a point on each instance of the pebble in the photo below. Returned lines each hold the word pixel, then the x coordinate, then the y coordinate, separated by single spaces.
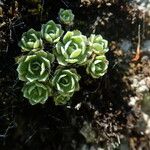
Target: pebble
pixel 142 89
pixel 144 58
pixel 146 118
pixel 144 4
pixel 135 83
pixel 133 101
pixel 147 80
pixel 142 82
pixel 146 46
pixel 125 45
pixel 141 85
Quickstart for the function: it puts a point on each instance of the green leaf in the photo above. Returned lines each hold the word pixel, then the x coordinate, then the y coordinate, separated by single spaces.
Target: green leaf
pixel 76 53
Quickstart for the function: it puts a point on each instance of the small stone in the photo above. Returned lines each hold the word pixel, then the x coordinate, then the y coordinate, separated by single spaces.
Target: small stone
pixel 125 45
pixel 133 101
pixel 142 82
pixel 146 118
pixel 84 147
pixel 144 58
pixel 142 89
pixel 146 46
pixel 135 83
pixel 147 80
pixel 92 148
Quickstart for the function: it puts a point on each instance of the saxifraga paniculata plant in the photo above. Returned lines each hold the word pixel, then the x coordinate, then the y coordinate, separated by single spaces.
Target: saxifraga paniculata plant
pixel 65 82
pixel 37 92
pixel 54 72
pixel 97 66
pixel 66 16
pixel 72 49
pixel 97 44
pixel 35 66
pixel 31 41
pixel 51 32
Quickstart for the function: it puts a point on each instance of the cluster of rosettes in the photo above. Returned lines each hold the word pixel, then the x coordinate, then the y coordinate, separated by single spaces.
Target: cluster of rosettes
pixel 54 72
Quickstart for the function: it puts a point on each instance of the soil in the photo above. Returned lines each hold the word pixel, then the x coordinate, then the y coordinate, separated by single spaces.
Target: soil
pixel 102 113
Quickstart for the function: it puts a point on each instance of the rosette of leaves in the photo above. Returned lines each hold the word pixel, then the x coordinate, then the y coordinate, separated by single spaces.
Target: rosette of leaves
pixel 65 82
pixel 31 41
pixel 61 99
pixel 66 16
pixel 72 49
pixel 51 32
pixel 97 44
pixel 35 66
pixel 36 92
pixel 97 66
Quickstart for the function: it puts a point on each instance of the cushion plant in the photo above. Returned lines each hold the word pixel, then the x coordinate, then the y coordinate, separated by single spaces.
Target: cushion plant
pixel 36 92
pixel 97 44
pixel 72 49
pixel 45 77
pixel 35 66
pixel 51 32
pixel 31 41
pixel 97 67
pixel 66 16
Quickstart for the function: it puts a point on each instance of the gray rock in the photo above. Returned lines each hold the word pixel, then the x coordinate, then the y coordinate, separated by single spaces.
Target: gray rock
pixel 146 46
pixel 142 89
pixel 125 45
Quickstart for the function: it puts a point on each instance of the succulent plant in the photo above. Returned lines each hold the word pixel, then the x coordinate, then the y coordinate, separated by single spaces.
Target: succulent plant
pixel 36 92
pixel 72 49
pixel 51 32
pixel 36 66
pixel 97 67
pixel 66 16
pixel 97 44
pixel 61 100
pixel 31 41
pixel 66 81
